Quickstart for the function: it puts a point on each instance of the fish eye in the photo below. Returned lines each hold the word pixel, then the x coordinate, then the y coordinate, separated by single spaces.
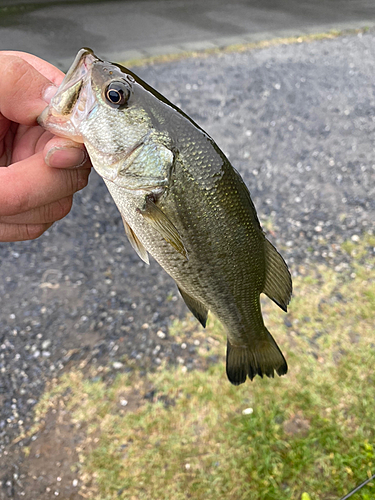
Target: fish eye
pixel 117 94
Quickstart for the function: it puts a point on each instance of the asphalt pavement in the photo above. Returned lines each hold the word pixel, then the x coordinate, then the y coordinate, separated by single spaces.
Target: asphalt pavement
pixel 130 29
pixel 297 121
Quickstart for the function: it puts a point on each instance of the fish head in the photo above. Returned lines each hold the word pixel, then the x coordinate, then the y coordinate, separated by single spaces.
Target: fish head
pixel 106 107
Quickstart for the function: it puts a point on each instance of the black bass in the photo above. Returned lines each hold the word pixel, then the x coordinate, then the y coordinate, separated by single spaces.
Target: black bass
pixel 181 201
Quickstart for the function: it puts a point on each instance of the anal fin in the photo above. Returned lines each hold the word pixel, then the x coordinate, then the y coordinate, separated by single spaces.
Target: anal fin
pixel 160 222
pixel 278 282
pixel 135 243
pixel 196 307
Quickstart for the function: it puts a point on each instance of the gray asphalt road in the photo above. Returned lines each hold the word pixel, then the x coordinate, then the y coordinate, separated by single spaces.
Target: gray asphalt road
pixel 122 30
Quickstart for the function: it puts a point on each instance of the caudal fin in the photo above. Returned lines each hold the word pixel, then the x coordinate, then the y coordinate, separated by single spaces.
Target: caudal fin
pixel 261 358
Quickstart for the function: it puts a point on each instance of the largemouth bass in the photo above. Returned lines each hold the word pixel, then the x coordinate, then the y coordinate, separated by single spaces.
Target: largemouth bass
pixel 181 201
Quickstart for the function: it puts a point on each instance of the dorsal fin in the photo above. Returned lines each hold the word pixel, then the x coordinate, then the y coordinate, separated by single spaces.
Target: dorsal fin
pixel 196 307
pixel 278 282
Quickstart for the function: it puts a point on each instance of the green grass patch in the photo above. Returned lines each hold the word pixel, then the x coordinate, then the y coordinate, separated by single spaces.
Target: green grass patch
pixel 306 436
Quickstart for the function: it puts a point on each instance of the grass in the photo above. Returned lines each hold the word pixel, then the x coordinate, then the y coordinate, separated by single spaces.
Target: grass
pixel 306 436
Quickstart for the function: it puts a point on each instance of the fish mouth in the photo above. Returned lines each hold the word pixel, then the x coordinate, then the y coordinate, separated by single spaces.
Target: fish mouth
pixel 82 63
pixel 80 70
pixel 74 99
pixel 78 74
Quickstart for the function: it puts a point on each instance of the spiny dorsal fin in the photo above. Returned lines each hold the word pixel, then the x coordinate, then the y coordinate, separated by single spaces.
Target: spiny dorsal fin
pixel 196 307
pixel 262 357
pixel 135 243
pixel 278 282
pixel 160 222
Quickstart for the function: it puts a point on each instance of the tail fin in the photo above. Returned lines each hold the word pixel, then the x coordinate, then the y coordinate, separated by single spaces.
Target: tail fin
pixel 261 358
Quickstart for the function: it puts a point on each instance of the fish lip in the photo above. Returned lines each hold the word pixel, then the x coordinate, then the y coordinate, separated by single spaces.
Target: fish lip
pixel 79 70
pixel 42 118
pixel 58 111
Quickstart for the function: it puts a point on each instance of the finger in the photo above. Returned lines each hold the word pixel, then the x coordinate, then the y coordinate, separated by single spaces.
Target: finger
pixel 21 232
pixel 48 70
pixel 41 215
pixel 21 90
pixel 31 183
pixel 64 153
pixel 26 142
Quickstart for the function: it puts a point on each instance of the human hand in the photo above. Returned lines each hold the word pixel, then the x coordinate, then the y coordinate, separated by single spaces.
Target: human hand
pixel 38 171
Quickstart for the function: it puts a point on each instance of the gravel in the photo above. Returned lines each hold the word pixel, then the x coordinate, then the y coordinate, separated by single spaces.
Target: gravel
pixel 297 121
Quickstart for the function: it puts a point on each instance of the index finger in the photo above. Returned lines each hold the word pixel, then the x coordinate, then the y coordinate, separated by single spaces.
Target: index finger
pixel 45 68
pixel 21 90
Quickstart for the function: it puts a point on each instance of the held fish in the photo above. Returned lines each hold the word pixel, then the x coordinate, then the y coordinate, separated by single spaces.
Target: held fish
pixel 181 201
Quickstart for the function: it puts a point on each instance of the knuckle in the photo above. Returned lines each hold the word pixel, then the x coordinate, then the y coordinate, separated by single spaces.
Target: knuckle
pixel 72 180
pixel 61 208
pixel 83 178
pixel 33 231
pixel 21 232
pixel 4 232
pixel 17 74
pixel 17 203
pixel 77 179
pixel 14 198
pixel 13 65
pixel 20 90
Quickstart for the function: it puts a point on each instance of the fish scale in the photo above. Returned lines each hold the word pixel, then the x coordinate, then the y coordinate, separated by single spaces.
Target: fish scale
pixel 181 201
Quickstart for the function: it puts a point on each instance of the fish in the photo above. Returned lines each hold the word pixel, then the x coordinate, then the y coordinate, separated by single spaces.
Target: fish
pixel 181 201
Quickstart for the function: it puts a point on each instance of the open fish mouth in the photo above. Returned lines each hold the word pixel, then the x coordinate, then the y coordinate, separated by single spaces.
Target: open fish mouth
pixel 74 99
pixel 74 81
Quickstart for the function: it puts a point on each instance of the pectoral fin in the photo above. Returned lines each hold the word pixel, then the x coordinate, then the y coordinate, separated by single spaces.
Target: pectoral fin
pixel 160 222
pixel 196 307
pixel 135 243
pixel 278 283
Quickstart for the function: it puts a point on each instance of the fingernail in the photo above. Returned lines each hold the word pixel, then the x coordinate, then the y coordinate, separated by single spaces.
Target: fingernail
pixel 48 93
pixel 66 157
